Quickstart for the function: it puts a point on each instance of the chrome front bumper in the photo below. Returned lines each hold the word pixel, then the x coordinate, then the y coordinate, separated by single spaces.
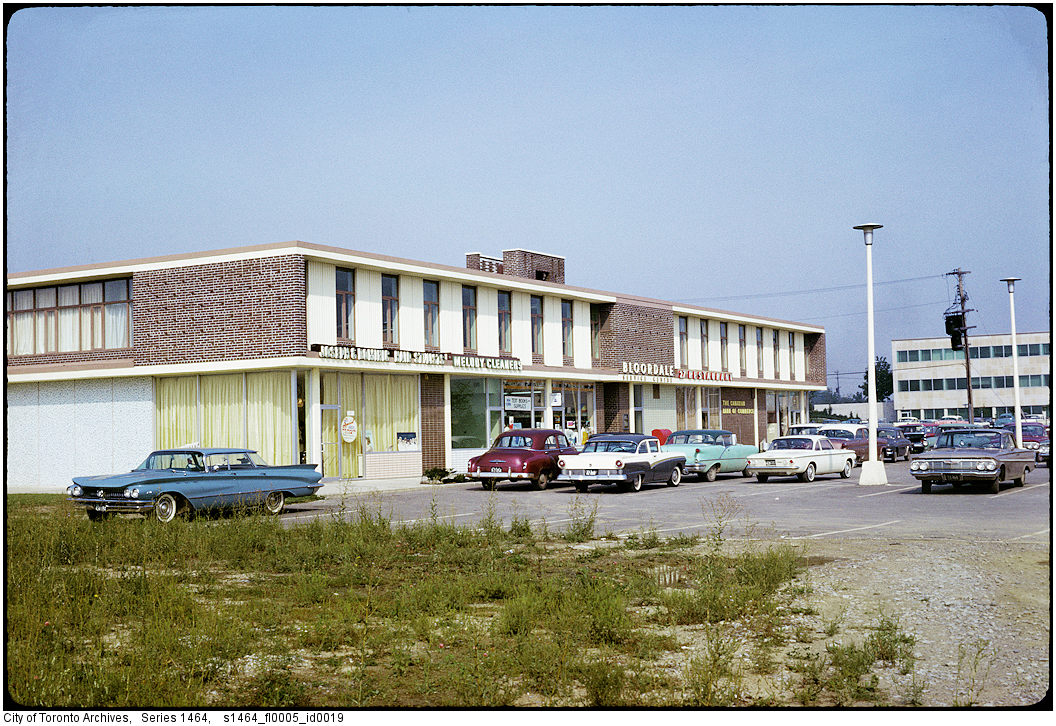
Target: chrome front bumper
pixel 116 506
pixel 500 475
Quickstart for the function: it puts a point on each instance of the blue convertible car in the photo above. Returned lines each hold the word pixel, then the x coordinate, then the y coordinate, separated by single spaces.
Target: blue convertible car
pixel 186 480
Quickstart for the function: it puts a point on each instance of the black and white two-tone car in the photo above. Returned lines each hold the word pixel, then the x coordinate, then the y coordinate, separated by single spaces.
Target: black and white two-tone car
pixel 627 460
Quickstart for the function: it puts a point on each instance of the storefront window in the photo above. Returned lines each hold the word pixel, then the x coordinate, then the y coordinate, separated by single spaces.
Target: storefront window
pixel 468 410
pixel 252 410
pixel 711 408
pixel 390 420
pixel 574 410
pixel 639 408
pixel 685 406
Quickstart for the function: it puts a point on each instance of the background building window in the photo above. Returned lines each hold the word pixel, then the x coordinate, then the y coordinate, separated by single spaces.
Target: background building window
pixel 346 302
pixel 683 342
pixel 566 328
pixel 431 309
pixel 777 356
pixel 595 332
pixel 791 354
pixel 537 323
pixel 505 318
pixel 724 347
pixel 390 309
pixel 469 317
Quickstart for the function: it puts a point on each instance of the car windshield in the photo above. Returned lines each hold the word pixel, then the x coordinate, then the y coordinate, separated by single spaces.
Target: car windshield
pixel 691 438
pixel 623 447
pixel 181 460
pixel 836 434
pixel 233 460
pixel 1033 430
pixel 792 443
pixel 513 441
pixel 969 440
pixel 808 430
pixel 889 433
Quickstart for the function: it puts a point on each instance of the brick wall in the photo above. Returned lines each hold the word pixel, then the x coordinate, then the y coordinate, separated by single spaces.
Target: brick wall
pixel 616 403
pixel 738 411
pixel 814 346
pixel 242 309
pixel 522 263
pixel 637 334
pixel 432 421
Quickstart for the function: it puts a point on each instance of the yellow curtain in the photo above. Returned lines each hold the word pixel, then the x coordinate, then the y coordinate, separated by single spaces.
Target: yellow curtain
pixel 270 418
pixel 176 408
pixel 223 411
pixel 405 405
pixel 391 408
pixel 351 385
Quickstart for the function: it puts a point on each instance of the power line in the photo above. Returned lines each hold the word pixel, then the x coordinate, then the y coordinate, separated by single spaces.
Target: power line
pixel 813 291
pixel 884 310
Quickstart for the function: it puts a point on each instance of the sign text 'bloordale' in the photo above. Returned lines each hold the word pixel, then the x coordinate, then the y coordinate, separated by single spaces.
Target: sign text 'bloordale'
pixel 657 369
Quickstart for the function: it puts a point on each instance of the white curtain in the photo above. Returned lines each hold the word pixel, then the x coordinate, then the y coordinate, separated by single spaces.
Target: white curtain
pixel 270 416
pixel 69 318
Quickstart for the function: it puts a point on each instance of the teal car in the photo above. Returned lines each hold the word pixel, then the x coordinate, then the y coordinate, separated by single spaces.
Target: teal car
pixel 710 452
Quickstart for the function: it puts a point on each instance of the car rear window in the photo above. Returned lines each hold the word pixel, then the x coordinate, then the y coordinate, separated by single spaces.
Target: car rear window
pixel 513 442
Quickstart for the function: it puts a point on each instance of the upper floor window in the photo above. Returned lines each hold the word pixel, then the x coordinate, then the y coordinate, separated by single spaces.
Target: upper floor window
pixel 791 354
pixel 431 309
pixel 537 323
pixel 566 328
pixel 595 332
pixel 683 341
pixel 469 317
pixel 777 356
pixel 390 309
pixel 704 344
pixel 724 347
pixel 759 349
pixel 88 316
pixel 742 348
pixel 346 304
pixel 505 318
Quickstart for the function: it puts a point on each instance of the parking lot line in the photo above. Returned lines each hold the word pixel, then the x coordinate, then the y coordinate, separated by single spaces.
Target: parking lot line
pixel 777 491
pixel 1013 490
pixel 1032 534
pixel 888 491
pixel 852 529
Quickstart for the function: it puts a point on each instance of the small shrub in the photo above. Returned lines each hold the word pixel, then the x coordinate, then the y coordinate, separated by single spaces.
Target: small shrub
pixel 604 682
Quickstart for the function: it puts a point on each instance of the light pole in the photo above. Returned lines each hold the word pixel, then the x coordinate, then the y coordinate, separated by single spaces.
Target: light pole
pixel 1011 282
pixel 873 472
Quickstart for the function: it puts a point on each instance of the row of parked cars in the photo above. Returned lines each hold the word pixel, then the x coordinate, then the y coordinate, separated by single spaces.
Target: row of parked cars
pixel 184 481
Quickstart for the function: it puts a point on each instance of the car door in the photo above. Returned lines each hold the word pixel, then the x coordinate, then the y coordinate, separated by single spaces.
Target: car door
pixel 828 459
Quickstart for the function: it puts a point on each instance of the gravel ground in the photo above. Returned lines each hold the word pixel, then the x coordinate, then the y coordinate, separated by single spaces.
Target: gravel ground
pixel 980 613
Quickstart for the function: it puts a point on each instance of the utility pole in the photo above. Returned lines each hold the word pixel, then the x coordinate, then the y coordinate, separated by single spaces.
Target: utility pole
pixel 957 327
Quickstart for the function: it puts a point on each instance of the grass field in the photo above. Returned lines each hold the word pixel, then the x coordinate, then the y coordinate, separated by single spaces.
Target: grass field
pixel 355 611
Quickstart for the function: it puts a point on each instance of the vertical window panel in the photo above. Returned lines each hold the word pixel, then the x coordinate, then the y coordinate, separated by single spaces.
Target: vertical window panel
pixel 390 305
pixel 537 323
pixel 431 309
pixel 505 321
pixel 469 318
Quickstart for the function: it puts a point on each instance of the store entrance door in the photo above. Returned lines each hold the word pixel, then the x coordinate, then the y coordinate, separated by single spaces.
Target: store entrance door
pixel 331 464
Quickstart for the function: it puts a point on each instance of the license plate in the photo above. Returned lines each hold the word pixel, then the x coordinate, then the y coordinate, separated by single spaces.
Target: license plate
pixel 951 477
pixel 590 472
pixel 771 462
pixel 496 470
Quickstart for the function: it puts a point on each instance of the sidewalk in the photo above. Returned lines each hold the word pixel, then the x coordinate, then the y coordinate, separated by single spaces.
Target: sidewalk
pixel 350 487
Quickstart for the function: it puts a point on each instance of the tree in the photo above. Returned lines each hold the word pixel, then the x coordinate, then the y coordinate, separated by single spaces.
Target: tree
pixel 885 381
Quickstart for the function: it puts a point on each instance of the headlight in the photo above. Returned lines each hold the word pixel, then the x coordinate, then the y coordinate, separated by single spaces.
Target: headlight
pixel 991 466
pixel 132 493
pixel 923 466
pixel 980 466
pixel 74 491
pixel 1032 444
pixel 914 466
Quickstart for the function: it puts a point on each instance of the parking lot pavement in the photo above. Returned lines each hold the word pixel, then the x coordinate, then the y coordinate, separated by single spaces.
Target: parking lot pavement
pixel 829 507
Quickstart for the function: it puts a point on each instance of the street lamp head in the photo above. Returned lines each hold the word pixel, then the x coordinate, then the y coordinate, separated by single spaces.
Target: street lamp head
pixel 1011 282
pixel 869 227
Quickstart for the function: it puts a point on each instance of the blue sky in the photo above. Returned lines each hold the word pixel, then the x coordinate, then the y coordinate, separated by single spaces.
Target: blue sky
pixel 715 155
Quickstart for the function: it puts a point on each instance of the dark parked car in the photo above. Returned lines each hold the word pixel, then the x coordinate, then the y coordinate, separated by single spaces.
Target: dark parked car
pixel 184 481
pixel 890 444
pixel 915 432
pixel 521 455
pixel 1035 438
pixel 969 455
pixel 628 460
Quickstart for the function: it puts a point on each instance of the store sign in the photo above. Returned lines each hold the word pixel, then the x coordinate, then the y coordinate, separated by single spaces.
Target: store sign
pixel 384 355
pixel 730 406
pixel 656 370
pixel 517 403
pixel 349 428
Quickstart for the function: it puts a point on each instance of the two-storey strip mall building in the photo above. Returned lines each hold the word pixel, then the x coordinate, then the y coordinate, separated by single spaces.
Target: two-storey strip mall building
pixel 369 365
